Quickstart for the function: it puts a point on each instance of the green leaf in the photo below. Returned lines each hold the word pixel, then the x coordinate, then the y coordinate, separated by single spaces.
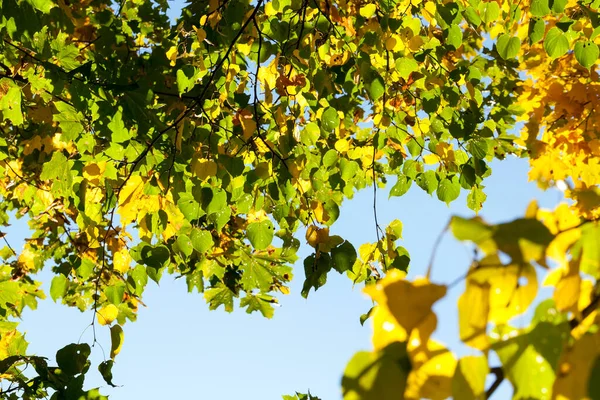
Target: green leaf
pixel 58 170
pixel 260 234
pixel 189 207
pixel 69 120
pixel 427 181
pixel 257 303
pixel 375 87
pixel 454 36
pixel 58 287
pixel 105 369
pixel 478 148
pixel 220 295
pixel 343 257
pixel 448 190
pixel 9 293
pixel 405 66
pixel 73 358
pixel 10 104
pixel 539 8
pixel 114 293
pixel 315 270
pixel 117 127
pixel 42 5
pixel 558 6
pixel 201 240
pixel 401 187
pixel 476 198
pixel 472 16
pixel 492 12
pixel 330 120
pixel 586 53
pixel 377 375
pixel 589 243
pixel 186 79
pixel 260 271
pixel 155 257
pixel 530 359
pixel 556 43
pixel 537 28
pixel 184 243
pixel 508 46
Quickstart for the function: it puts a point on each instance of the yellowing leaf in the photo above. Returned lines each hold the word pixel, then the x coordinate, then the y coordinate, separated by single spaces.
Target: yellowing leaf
pixel 574 368
pixel 473 312
pixel 566 294
pixel 512 287
pixel 203 168
pixel 107 314
pixel 316 235
pixel 409 302
pixel 122 260
pixel 116 340
pixel 129 198
pixel 368 11
pixel 433 369
pixel 386 329
pixel 172 55
pixel 468 382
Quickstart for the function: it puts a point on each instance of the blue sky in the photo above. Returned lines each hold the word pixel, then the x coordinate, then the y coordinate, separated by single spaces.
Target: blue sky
pixel 180 349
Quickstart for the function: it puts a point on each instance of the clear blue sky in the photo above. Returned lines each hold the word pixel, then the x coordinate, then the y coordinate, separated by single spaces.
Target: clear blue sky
pixel 179 349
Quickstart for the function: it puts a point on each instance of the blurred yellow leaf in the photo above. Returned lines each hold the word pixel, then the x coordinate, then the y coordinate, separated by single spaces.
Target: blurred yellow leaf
pixel 409 302
pixel 433 368
pixel 468 382
pixel 473 312
pixel 574 368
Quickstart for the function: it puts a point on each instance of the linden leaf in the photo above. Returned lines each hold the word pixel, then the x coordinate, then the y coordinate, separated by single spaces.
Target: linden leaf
pixel 556 43
pixel 260 234
pixel 116 340
pixel 586 53
pixel 377 375
pixel 409 302
pixel 469 378
pixel 508 46
pixel 107 314
pixel 73 358
pixel 368 11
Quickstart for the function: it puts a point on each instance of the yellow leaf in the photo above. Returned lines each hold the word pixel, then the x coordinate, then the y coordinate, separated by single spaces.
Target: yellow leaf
pixel 204 168
pixel 430 159
pixel 468 382
pixel 386 329
pixel 512 287
pixel 342 145
pixel 316 235
pixel 122 260
pixel 172 55
pixel 129 199
pixel 566 294
pixel 473 311
pixel 368 11
pixel 94 172
pixel 107 314
pixel 409 302
pixel 574 367
pixel 433 369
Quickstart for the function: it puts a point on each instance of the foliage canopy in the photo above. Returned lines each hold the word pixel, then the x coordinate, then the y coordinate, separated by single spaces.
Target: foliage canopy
pixel 135 147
